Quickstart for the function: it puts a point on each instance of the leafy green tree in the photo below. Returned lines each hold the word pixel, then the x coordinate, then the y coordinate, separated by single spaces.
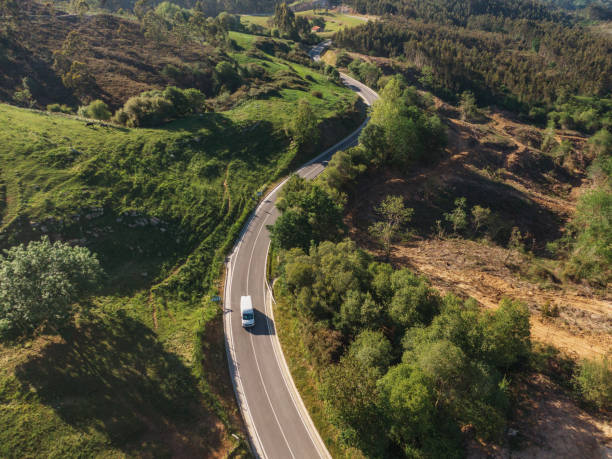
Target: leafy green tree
pixel 372 349
pixel 97 110
pixel 407 400
pixel 359 311
pixel 304 126
pixel 413 302
pixel 373 139
pixel 380 285
pixel 40 282
pixel 458 218
pixel 468 107
pixel 308 214
pixel 409 134
pixel 343 169
pixel 593 380
pixel 480 217
pixel 350 394
pixel 395 216
pixel 78 78
pixel 392 116
pixel 506 341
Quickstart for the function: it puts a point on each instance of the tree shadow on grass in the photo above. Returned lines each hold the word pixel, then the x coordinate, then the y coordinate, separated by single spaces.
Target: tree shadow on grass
pixel 112 375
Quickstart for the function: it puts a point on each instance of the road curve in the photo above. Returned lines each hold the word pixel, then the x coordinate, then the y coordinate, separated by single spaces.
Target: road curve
pixel 277 421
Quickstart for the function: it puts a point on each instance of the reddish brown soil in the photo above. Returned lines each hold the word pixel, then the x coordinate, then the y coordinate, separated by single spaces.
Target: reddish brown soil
pixel 549 425
pixel 496 164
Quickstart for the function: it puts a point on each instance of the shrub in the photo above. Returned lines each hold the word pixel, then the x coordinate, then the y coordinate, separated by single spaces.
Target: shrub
pixel 57 108
pixel 153 108
pixel 343 59
pixel 594 381
pixel 97 110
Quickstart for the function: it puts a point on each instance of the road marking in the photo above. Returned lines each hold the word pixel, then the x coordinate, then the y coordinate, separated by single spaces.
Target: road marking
pixel 363 92
pixel 263 383
pixel 233 364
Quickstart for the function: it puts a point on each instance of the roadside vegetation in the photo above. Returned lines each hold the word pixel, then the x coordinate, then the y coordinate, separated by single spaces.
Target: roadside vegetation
pixel 353 328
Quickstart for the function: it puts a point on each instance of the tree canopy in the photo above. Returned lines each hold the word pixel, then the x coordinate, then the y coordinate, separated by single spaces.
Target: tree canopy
pixel 40 282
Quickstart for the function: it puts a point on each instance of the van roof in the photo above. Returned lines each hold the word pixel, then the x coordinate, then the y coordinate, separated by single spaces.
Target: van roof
pixel 245 303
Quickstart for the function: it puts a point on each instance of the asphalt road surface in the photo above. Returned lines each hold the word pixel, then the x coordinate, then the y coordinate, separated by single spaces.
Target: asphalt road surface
pixel 277 421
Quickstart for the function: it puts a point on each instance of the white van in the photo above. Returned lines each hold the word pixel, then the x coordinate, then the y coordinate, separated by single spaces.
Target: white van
pixel 246 311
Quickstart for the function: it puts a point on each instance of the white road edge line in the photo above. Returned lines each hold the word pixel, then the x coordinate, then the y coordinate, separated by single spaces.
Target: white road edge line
pixel 257 446
pixel 263 382
pixel 315 437
pixel 239 392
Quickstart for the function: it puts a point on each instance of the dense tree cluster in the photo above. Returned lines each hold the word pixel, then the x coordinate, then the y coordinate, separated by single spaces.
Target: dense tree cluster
pixel 401 133
pixel 521 64
pixel 401 368
pixel 208 7
pixel 309 215
pixel 459 12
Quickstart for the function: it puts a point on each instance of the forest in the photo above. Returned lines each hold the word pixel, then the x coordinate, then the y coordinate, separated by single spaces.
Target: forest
pixel 518 64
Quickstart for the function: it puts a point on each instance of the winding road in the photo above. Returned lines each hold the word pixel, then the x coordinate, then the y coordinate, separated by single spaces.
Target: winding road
pixel 277 421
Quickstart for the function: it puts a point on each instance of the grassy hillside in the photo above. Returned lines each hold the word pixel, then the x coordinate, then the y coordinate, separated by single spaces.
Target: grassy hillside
pixel 143 369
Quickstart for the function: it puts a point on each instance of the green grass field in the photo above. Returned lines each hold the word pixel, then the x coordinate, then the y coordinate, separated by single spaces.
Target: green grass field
pixel 333 21
pixel 143 371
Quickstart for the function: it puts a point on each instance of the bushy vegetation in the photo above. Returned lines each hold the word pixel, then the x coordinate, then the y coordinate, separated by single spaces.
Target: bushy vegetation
pixel 309 215
pixel 40 282
pixel 594 381
pixel 153 108
pixel 400 369
pixel 97 110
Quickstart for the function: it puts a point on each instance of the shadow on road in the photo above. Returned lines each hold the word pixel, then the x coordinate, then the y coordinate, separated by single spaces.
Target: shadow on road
pixel 263 325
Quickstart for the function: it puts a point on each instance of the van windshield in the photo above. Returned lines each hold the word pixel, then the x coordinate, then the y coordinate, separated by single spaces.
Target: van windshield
pixel 247 316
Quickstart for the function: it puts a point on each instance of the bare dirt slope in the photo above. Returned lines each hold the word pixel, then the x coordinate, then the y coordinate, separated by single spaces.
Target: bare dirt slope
pixel 549 425
pixel 497 164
